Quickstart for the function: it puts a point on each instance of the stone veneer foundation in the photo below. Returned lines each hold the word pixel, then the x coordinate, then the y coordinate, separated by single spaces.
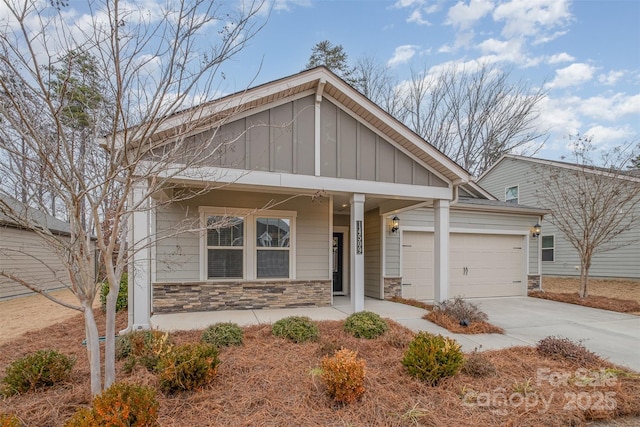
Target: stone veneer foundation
pixel 533 282
pixel 206 296
pixel 392 287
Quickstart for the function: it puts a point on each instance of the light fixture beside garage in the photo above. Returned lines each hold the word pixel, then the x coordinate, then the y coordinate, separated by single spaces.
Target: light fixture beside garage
pixel 395 224
pixel 535 231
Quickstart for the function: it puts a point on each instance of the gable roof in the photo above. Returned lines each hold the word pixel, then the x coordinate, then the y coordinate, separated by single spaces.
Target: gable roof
pixel 323 83
pixel 620 174
pixel 9 207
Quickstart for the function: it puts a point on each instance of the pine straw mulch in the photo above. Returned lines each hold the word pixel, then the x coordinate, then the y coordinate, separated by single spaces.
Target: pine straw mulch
pixel 452 325
pixel 271 382
pixel 593 301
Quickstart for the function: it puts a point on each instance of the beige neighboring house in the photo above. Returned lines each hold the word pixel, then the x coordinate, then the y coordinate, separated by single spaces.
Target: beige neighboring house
pixel 378 212
pixel 25 254
pixel 515 179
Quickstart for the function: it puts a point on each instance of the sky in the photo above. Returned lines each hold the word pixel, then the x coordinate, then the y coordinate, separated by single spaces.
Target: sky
pixel 586 53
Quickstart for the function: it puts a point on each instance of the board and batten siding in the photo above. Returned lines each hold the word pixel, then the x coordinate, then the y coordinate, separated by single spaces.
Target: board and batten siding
pixel 372 252
pixel 623 262
pixel 178 254
pixel 474 221
pixel 27 256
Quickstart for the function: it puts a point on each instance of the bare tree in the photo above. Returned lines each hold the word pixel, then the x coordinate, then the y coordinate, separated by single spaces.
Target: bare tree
pixel 378 84
pixel 592 206
pixel 150 64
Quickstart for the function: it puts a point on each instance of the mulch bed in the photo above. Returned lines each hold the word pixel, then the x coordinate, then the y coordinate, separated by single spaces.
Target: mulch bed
pixel 593 301
pixel 452 325
pixel 271 382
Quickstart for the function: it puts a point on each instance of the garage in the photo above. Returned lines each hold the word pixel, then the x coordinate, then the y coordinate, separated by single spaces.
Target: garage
pixel 480 265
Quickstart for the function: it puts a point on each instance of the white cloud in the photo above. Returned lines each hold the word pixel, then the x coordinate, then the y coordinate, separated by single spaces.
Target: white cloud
pixel 559 58
pixel 609 136
pixel 611 77
pixel 416 17
pixel 573 75
pixel 464 16
pixel 402 54
pixel 408 3
pixel 532 17
pixel 286 5
pixel 610 108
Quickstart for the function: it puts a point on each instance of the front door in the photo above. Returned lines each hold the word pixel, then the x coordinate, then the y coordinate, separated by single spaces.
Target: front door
pixel 338 245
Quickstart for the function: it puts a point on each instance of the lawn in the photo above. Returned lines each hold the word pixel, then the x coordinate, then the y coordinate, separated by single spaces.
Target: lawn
pixel 271 382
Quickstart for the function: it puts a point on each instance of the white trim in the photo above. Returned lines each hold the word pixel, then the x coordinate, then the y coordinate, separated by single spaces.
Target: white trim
pixel 383 237
pixel 554 247
pixel 330 236
pixel 460 230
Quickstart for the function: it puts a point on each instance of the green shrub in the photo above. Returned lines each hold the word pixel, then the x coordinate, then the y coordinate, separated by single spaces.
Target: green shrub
pixel 223 335
pixel 462 311
pixel 296 329
pixel 143 348
pixel 188 367
pixel 121 405
pixel 9 420
pixel 123 294
pixel 343 374
pixel 43 368
pixel 365 324
pixel 432 357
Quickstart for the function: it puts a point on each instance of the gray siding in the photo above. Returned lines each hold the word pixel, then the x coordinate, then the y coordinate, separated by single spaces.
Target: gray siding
pixel 178 253
pixel 623 262
pixel 27 256
pixel 372 254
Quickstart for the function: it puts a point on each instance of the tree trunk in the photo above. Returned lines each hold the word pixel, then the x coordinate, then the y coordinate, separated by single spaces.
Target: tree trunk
pixel 110 341
pixel 93 347
pixel 584 278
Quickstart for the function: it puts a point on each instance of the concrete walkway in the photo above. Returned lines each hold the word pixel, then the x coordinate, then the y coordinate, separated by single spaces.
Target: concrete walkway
pixel 614 336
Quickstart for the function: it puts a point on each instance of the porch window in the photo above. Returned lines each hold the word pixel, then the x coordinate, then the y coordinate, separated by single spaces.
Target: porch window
pixel 548 248
pixel 225 247
pixel 272 245
pixel 511 194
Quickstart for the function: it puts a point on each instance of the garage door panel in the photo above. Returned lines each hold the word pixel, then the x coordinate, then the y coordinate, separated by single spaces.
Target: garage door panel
pixel 417 264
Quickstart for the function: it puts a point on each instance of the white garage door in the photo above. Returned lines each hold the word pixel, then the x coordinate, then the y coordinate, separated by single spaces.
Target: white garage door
pixel 481 265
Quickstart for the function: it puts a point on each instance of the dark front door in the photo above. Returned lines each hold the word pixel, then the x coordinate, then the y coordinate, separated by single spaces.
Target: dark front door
pixel 337 262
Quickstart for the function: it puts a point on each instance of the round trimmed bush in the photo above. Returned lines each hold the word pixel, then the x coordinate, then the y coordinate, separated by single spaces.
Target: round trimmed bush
pixel 296 328
pixel 41 369
pixel 431 358
pixel 188 367
pixel 142 348
pixel 365 324
pixel 344 374
pixel 223 335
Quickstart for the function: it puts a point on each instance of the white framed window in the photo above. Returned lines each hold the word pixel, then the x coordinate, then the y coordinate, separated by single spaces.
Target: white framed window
pixel 511 194
pixel 549 248
pixel 243 244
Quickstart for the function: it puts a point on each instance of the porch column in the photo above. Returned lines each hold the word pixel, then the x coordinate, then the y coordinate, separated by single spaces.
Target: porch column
pixel 357 252
pixel 441 250
pixel 140 260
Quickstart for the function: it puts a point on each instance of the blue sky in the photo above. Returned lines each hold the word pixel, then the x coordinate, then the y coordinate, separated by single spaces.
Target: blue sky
pixel 586 52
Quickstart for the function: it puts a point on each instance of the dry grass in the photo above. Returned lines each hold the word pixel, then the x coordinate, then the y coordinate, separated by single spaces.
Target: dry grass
pixel 615 295
pixel 271 382
pixel 452 325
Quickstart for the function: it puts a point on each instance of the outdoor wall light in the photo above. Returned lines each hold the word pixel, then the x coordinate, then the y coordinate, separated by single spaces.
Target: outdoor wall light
pixel 535 231
pixel 395 224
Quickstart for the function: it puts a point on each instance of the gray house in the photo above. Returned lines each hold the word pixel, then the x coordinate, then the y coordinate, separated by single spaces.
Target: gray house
pixel 515 179
pixel 365 208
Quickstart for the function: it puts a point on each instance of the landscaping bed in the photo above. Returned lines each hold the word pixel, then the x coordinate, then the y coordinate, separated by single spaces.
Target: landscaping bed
pixel 270 381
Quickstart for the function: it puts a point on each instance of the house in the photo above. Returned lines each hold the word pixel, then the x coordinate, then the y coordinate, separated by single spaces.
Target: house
pixel 515 179
pixel 23 253
pixel 363 207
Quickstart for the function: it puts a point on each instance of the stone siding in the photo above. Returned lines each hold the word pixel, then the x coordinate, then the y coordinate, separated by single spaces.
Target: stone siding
pixel 533 282
pixel 392 287
pixel 209 296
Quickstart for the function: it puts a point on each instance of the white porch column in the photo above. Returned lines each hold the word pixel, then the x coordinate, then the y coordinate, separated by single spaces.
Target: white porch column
pixel 357 252
pixel 441 250
pixel 140 261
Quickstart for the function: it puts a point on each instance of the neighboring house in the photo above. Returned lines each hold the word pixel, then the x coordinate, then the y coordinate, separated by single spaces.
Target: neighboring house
pixel 515 179
pixel 26 255
pixel 377 212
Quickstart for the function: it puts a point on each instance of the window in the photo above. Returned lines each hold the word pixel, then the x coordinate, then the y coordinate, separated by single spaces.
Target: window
pixel 511 195
pixel 548 248
pixel 247 245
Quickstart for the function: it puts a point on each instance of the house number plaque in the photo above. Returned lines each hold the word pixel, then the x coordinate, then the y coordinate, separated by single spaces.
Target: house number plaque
pixel 358 237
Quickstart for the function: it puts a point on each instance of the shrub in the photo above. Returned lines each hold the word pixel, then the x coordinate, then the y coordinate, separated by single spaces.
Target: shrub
pixel 478 365
pixel 187 367
pixel 559 348
pixel 143 348
pixel 432 357
pixel 365 324
pixel 123 294
pixel 223 335
pixel 9 420
pixel 343 374
pixel 296 329
pixel 43 368
pixel 462 311
pixel 121 405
